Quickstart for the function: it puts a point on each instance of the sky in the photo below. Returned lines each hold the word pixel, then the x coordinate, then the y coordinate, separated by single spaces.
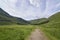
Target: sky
pixel 30 9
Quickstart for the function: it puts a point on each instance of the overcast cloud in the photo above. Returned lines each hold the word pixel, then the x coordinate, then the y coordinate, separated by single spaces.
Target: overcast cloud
pixel 30 9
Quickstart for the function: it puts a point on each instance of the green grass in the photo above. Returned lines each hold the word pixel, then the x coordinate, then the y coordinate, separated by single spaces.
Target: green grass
pixel 52 33
pixel 15 32
pixel 39 21
pixel 52 30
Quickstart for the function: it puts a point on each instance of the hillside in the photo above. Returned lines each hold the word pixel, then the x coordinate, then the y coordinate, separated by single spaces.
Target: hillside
pixel 5 18
pixel 52 28
pixel 39 21
pixel 55 17
pixel 54 20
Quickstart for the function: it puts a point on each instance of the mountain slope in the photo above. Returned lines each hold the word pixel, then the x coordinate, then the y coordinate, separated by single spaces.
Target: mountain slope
pixel 5 18
pixel 54 20
pixel 55 17
pixel 52 28
pixel 39 21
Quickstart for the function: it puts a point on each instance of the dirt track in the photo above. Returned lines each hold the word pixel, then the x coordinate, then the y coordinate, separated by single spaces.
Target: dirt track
pixel 37 35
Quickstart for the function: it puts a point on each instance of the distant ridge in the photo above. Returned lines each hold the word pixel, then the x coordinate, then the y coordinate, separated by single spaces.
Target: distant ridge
pixel 39 21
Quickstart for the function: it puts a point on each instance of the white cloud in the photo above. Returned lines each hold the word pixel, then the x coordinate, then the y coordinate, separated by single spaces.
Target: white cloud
pixel 58 5
pixel 26 10
pixel 35 2
pixel 11 2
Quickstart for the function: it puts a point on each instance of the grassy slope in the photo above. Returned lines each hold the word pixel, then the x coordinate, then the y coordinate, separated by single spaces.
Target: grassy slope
pixel 15 32
pixel 52 29
pixel 39 21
